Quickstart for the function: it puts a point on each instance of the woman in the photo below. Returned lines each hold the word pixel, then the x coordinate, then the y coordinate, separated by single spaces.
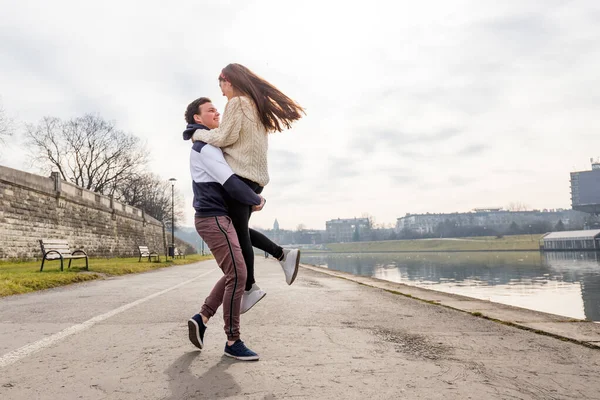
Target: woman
pixel 254 109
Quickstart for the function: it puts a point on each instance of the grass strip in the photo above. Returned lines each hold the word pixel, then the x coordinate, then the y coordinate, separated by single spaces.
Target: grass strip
pixel 17 277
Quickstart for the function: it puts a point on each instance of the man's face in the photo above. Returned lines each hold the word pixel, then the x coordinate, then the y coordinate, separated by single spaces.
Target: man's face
pixel 208 116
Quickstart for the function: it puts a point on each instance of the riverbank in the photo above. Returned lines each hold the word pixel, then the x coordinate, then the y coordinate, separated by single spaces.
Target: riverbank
pixel 580 331
pixel 487 243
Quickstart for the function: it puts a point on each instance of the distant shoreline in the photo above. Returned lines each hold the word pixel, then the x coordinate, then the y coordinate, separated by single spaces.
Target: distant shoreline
pixel 304 251
pixel 476 244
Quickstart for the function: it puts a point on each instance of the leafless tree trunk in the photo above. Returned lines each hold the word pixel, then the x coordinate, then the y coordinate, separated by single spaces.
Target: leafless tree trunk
pixel 87 151
pixel 517 206
pixel 152 194
pixel 6 125
pixel 371 224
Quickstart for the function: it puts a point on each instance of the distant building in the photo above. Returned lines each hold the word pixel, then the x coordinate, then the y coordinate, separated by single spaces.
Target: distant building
pixel 572 240
pixel 492 219
pixel 285 237
pixel 277 235
pixel 308 236
pixel 345 230
pixel 585 190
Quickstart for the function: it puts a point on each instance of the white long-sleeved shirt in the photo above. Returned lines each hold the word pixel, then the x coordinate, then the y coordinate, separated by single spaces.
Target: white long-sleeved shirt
pixel 213 180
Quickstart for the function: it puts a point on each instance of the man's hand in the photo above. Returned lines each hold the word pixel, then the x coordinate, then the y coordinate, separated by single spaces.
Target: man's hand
pixel 261 205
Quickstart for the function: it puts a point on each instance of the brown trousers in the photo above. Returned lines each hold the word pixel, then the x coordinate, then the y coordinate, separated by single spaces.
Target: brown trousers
pixel 219 234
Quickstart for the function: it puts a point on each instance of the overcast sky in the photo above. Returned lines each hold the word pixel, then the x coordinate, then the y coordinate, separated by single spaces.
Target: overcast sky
pixel 428 106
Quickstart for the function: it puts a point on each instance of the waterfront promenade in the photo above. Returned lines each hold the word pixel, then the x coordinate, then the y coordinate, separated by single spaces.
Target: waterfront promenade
pixel 325 337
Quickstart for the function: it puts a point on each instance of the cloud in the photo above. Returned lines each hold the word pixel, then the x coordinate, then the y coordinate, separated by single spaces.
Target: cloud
pixel 397 140
pixel 286 167
pixel 460 181
pixel 418 99
pixel 342 168
pixel 526 33
pixel 403 179
pixel 472 150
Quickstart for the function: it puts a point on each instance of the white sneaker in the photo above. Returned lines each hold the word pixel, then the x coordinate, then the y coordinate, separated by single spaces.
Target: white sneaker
pixel 251 297
pixel 291 259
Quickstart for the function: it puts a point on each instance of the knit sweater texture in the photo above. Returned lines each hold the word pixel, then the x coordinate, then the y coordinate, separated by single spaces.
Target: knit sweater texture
pixel 243 139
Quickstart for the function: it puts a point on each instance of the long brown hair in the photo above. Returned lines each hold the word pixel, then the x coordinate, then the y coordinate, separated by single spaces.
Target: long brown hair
pixel 275 109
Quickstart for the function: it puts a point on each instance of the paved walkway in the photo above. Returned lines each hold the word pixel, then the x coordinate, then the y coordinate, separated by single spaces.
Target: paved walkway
pixel 578 331
pixel 321 338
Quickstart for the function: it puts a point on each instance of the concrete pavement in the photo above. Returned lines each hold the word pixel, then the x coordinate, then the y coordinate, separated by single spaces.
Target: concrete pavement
pixel 321 338
pixel 584 332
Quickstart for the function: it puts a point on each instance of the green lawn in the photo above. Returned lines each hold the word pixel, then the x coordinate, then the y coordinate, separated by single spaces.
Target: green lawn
pixel 23 277
pixel 517 242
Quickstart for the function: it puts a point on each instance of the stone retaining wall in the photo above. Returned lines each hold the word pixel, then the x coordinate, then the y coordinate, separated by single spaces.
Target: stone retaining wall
pixel 33 207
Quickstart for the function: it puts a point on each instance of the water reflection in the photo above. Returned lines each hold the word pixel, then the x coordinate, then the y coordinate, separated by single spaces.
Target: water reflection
pixel 563 283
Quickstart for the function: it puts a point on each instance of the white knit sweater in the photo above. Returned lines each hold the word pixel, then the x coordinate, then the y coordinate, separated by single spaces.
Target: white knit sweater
pixel 243 139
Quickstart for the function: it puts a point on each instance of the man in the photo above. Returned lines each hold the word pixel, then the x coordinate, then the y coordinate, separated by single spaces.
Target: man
pixel 213 181
pixel 248 238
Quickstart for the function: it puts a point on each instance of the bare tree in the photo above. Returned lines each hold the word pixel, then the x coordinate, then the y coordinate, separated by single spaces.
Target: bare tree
pixel 517 206
pixel 371 220
pixel 177 209
pixel 6 125
pixel 87 151
pixel 152 194
pixel 300 227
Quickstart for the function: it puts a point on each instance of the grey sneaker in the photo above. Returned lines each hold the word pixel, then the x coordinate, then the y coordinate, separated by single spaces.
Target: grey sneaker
pixel 290 262
pixel 251 297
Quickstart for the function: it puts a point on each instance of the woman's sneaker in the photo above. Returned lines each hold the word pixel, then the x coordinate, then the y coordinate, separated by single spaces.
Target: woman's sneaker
pixel 290 262
pixel 196 329
pixel 239 351
pixel 251 297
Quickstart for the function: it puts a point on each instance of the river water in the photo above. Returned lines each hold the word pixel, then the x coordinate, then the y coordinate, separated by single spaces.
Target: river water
pixel 563 283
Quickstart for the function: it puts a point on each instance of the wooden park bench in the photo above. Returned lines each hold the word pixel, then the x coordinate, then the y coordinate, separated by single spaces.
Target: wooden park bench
pixel 178 253
pixel 59 249
pixel 145 252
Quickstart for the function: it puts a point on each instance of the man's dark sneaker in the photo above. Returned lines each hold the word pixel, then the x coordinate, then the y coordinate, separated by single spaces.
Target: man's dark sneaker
pixel 196 328
pixel 239 351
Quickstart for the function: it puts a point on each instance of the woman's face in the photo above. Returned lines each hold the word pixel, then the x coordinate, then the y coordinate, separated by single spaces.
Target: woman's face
pixel 226 89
